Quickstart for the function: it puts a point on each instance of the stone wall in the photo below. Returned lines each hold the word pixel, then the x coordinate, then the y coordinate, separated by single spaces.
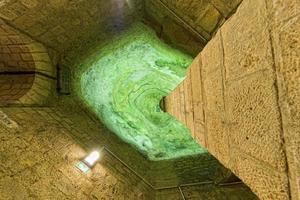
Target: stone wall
pixel 40 146
pixel 285 31
pixel 188 24
pixel 207 192
pixel 38 151
pixel 26 71
pixel 240 98
pixel 64 25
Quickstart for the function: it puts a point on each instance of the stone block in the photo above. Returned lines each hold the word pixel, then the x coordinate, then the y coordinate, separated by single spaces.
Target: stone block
pixel 212 76
pixel 177 32
pixel 4 40
pixel 285 34
pixel 195 77
pixel 212 56
pixel 202 16
pixel 200 134
pixel 255 123
pixel 287 56
pixel 5 57
pixel 246 39
pixel 26 56
pixel 30 3
pixel 293 151
pixel 45 67
pixel 266 182
pixel 210 19
pixel 42 57
pixel 34 48
pixel 217 137
pixel 225 7
pixel 8 14
pixel 4 49
pixel 213 92
pixel 188 102
pixel 15 48
pixel 283 11
pixel 15 57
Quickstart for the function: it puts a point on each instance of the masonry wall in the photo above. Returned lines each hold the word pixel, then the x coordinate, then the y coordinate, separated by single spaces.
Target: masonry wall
pixel 285 34
pixel 208 191
pixel 70 25
pixel 188 24
pixel 241 97
pixel 27 75
pixel 40 146
pixel 38 151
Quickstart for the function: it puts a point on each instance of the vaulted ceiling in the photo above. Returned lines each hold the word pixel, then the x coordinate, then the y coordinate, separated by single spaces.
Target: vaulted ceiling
pixel 66 25
pixel 61 24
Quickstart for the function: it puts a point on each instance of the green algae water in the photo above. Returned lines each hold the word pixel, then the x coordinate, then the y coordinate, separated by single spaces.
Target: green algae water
pixel 123 83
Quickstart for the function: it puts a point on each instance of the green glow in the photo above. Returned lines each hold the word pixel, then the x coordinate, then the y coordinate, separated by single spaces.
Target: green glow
pixel 123 83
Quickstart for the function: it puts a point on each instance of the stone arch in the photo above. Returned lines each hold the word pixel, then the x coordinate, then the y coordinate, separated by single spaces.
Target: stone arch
pixel 27 76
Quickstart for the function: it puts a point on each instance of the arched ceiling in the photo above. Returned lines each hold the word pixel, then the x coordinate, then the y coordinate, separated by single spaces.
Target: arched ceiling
pixel 67 26
pixel 63 24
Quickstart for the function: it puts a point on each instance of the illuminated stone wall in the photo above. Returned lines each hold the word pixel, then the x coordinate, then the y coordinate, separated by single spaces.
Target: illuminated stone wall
pixel 285 33
pixel 39 147
pixel 240 98
pixel 188 24
pixel 53 138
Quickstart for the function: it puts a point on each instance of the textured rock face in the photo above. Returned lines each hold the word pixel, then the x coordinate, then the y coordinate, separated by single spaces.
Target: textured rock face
pixel 123 86
pixel 247 85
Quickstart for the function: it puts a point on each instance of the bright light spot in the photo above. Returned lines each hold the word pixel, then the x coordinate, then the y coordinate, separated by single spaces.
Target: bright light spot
pixel 92 158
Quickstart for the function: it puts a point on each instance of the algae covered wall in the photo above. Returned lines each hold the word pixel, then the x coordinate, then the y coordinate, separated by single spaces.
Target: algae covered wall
pixel 240 98
pixel 123 83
